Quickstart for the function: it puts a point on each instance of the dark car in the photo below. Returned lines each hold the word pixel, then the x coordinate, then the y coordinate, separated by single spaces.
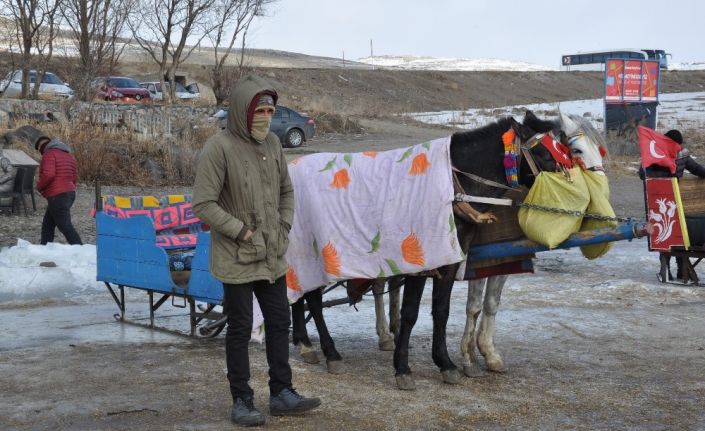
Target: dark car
pixel 293 128
pixel 120 89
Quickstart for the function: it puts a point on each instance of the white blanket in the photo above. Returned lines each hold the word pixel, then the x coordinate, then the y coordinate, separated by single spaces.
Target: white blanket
pixel 371 214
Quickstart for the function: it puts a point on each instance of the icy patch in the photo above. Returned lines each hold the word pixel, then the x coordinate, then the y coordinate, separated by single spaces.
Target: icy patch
pixel 24 280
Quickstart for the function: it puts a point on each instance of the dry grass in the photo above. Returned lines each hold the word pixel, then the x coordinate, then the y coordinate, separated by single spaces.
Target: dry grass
pixel 327 122
pixel 125 158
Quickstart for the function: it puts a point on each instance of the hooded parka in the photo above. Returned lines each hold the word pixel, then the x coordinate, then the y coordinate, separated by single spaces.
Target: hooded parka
pixel 244 183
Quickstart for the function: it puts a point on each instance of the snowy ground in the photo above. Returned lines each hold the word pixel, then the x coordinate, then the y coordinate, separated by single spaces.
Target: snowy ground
pixel 76 307
pixel 676 110
pixel 589 344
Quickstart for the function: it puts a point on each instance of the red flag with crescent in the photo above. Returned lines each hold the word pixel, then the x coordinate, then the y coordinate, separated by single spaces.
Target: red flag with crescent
pixel 559 152
pixel 657 149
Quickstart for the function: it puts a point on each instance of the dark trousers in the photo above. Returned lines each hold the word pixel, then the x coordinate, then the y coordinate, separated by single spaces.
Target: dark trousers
pixel 679 264
pixel 58 214
pixel 237 304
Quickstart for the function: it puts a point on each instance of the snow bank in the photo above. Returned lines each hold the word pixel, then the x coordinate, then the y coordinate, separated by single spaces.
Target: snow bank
pixel 21 277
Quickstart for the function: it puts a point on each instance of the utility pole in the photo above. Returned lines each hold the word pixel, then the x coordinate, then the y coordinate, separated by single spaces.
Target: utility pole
pixel 372 54
pixel 343 59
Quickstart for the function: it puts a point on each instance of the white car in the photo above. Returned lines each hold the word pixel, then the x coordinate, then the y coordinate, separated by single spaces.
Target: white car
pixel 51 85
pixel 183 93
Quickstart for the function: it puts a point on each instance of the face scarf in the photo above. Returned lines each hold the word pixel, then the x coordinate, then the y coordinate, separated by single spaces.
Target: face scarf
pixel 260 127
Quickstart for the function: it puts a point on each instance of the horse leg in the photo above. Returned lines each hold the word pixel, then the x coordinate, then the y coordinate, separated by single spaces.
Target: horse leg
pixel 471 367
pixel 413 290
pixel 394 284
pixel 299 333
pixel 334 361
pixel 386 340
pixel 485 337
pixel 440 311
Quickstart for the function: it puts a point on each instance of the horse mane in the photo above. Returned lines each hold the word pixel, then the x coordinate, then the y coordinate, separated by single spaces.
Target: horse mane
pixel 482 135
pixel 541 126
pixel 481 152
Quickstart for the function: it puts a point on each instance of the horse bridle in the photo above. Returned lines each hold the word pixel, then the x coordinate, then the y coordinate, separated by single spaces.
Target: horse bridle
pixel 578 135
pixel 464 210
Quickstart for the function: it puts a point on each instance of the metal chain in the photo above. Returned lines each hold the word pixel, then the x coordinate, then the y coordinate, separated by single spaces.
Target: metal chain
pixel 574 213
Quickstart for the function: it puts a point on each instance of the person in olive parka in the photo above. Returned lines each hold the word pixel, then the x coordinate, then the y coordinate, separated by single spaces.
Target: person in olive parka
pixel 244 193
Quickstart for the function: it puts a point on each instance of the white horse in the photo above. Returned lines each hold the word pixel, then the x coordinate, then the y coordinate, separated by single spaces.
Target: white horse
pixel 587 149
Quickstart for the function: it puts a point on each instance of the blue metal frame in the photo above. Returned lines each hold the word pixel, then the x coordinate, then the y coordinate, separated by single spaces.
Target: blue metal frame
pixel 626 231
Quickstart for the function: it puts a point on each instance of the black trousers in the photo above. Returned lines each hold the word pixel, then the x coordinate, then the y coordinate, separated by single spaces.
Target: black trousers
pixel 58 214
pixel 237 304
pixel 679 264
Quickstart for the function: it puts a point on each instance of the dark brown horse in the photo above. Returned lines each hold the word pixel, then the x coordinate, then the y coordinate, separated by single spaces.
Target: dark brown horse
pixel 479 153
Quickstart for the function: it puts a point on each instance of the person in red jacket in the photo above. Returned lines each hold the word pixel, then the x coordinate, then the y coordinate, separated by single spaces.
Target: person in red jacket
pixel 57 183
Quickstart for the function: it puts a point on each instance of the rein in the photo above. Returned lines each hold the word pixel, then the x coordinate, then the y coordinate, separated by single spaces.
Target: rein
pixel 464 210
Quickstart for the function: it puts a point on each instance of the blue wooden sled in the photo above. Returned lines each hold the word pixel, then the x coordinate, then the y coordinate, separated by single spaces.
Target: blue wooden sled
pixel 128 256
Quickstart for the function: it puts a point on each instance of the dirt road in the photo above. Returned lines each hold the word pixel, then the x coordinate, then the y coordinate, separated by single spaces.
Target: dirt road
pixel 589 345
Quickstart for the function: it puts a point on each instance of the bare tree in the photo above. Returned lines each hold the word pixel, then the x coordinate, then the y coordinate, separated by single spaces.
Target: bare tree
pixel 235 16
pixel 35 27
pixel 97 27
pixel 162 28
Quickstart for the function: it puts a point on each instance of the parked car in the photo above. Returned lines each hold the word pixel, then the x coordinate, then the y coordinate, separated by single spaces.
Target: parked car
pixel 182 93
pixel 293 128
pixel 120 89
pixel 51 85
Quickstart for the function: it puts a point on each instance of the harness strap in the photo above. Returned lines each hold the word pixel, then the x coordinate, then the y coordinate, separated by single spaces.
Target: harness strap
pixel 464 210
pixel 530 161
pixel 477 178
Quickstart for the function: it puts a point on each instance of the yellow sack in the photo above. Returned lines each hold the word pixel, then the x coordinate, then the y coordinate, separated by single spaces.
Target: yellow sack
pixel 553 190
pixel 599 189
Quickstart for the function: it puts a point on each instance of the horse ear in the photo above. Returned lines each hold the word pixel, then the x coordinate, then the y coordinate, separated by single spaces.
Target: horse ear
pixel 530 116
pixel 522 131
pixel 568 125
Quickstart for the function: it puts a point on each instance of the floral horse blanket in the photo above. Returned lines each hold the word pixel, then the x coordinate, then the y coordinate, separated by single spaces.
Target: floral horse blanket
pixel 371 214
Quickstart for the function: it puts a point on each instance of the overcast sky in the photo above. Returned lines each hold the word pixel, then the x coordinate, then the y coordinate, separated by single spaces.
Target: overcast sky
pixel 535 31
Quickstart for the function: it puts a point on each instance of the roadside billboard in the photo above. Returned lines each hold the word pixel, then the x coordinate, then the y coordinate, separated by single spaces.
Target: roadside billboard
pixel 631 97
pixel 631 81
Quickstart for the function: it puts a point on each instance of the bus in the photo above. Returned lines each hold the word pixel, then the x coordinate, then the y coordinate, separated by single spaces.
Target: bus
pixel 600 57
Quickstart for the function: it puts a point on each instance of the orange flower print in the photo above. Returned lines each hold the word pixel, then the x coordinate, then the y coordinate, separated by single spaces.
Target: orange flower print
pixel 419 164
pixel 292 280
pixel 295 161
pixel 331 261
pixel 412 251
pixel 370 154
pixel 341 179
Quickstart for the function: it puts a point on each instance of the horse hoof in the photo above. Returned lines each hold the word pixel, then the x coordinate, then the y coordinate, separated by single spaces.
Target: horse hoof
pixel 335 367
pixel 310 357
pixel 405 382
pixel 497 367
pixel 386 345
pixel 473 371
pixel 452 377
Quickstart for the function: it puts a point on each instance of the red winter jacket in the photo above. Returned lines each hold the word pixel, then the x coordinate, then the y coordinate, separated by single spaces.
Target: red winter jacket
pixel 57 170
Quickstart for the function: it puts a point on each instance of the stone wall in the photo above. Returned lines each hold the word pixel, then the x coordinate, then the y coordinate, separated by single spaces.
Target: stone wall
pixel 146 120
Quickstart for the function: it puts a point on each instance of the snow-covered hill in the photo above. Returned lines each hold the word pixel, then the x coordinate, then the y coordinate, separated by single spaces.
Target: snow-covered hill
pixel 412 62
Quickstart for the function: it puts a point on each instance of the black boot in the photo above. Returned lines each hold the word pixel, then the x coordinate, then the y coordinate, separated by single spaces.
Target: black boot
pixel 244 413
pixel 290 402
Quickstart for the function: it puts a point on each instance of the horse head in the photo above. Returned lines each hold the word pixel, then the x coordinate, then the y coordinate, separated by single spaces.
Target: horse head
pixel 587 146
